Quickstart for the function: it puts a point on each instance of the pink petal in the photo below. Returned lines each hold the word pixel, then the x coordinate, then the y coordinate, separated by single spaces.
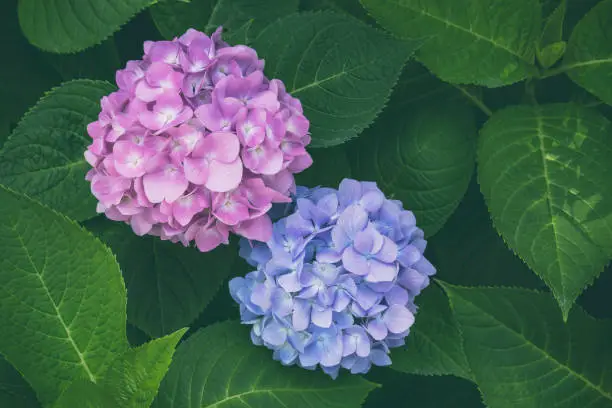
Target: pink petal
pixel 224 177
pixel 146 92
pixel 229 210
pixel 168 184
pixel 141 223
pixel 258 229
pixel 152 120
pixel 208 239
pixel 210 116
pixel 266 100
pixel 263 159
pixel 300 163
pixel 221 146
pixel 196 170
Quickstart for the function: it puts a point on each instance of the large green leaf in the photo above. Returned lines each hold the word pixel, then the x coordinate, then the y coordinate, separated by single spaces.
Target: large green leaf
pixel 43 157
pixel 26 77
pixel 83 393
pixel 99 62
pixel 333 64
pixel 434 345
pixel 62 299
pixel 522 354
pixel 133 379
pixel 471 41
pixel 402 390
pixel 66 26
pixel 423 156
pixel 469 251
pixel 14 390
pixel 168 285
pixel 332 166
pixel 589 52
pixel 219 367
pixel 173 18
pixel 543 171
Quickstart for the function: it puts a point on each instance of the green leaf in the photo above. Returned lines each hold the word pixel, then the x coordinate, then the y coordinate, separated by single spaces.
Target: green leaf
pixel 351 7
pixel 219 367
pixel 174 18
pixel 418 391
pixel 14 390
pixel 85 394
pixel 470 42
pixel 43 157
pixel 435 345
pixel 423 156
pixel 543 171
pixel 330 167
pixel 133 379
pixel 551 53
pixel 26 77
pixel 332 64
pixel 589 52
pixel 553 27
pixel 66 26
pixel 62 299
pixel 168 285
pixel 523 355
pixel 469 251
pixel 99 62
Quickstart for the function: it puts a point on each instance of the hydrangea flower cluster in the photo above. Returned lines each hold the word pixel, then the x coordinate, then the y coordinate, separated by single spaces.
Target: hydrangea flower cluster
pixel 336 283
pixel 196 143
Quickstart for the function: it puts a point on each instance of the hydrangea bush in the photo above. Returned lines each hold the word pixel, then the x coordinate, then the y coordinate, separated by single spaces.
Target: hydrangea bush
pixel 196 142
pixel 335 285
pixel 305 203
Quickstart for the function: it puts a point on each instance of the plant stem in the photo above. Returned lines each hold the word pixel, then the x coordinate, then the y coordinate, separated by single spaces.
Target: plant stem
pixel 480 104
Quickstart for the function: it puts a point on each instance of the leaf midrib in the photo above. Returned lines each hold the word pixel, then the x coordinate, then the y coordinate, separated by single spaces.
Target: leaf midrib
pixel 38 274
pixel 542 351
pixel 548 196
pixel 464 29
pixel 272 392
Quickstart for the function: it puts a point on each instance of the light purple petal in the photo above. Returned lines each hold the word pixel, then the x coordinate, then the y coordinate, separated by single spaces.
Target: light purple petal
pixel 274 334
pixel 301 314
pixel 355 262
pixel 377 329
pixel 398 319
pixel 321 317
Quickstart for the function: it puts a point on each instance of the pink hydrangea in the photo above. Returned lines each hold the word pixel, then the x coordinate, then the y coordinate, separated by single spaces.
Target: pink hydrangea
pixel 196 143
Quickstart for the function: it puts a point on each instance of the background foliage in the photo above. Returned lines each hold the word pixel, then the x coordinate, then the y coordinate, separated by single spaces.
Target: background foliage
pixel 489 119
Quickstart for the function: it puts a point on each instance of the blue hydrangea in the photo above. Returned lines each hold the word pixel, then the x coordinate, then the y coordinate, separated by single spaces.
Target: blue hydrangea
pixel 335 285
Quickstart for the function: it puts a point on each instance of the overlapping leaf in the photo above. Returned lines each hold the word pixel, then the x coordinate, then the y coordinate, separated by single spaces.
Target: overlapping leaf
pixel 423 156
pixel 434 345
pixel 83 393
pixel 543 171
pixel 168 285
pixel 474 41
pixel 14 390
pixel 333 64
pixel 589 52
pixel 522 354
pixel 43 157
pixel 133 379
pixel 469 251
pixel 219 367
pixel 66 26
pixel 173 18
pixel 62 299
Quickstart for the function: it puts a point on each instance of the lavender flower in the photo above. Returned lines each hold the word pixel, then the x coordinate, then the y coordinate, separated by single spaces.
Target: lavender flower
pixel 335 285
